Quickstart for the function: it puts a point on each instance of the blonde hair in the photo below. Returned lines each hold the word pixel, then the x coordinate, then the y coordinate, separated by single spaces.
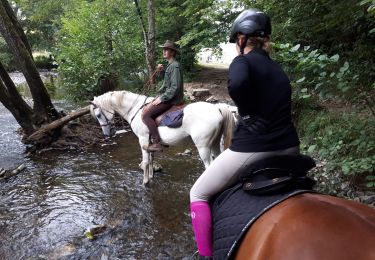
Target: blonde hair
pixel 260 42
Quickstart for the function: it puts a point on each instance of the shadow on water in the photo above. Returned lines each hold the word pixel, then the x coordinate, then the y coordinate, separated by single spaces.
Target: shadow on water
pixel 45 210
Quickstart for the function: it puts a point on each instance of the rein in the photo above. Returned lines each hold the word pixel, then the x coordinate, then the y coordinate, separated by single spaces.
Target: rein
pixel 144 103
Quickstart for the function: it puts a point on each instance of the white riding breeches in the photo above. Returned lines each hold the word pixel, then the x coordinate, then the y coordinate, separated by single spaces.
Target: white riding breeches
pixel 223 172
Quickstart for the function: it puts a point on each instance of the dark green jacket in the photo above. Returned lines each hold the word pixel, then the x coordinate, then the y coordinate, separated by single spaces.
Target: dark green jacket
pixel 172 90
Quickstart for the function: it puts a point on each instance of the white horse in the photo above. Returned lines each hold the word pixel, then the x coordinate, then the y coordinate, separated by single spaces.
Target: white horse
pixel 205 123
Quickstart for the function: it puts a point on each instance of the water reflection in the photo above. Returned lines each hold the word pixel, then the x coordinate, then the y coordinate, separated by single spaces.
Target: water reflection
pixel 45 210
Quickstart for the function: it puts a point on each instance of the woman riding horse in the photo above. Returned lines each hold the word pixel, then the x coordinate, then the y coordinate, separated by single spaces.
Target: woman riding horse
pixel 261 90
pixel 171 93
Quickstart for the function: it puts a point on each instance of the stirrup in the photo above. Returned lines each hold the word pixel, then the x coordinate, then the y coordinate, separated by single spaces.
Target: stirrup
pixel 197 256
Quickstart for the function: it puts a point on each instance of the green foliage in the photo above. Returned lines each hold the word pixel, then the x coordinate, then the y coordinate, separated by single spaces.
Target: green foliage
pixel 314 72
pixel 346 141
pixel 44 62
pixel 5 56
pixel 41 20
pixel 99 39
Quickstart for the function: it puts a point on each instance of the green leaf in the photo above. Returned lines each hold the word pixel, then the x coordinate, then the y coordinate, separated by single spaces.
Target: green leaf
pixel 306 96
pixel 311 148
pixel 301 80
pixel 335 57
pixel 345 169
pixel 295 48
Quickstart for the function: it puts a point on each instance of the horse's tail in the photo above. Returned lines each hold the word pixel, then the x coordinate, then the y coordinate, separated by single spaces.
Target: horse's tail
pixel 228 124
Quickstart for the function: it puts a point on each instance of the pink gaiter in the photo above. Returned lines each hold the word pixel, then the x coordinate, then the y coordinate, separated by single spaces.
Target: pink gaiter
pixel 202 226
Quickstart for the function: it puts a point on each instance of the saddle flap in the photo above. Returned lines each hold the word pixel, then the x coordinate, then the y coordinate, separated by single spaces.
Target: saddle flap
pixel 277 166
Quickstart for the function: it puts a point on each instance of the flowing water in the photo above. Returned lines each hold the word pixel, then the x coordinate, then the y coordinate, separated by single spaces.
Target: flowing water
pixel 46 209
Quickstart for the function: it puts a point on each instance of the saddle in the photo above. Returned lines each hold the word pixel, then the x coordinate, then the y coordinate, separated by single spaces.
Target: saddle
pixel 171 118
pixel 277 174
pixel 263 185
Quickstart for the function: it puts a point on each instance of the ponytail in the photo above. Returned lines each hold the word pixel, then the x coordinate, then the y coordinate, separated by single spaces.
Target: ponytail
pixel 260 42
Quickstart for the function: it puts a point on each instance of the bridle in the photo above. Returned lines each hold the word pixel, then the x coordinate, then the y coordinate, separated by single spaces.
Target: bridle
pixel 108 122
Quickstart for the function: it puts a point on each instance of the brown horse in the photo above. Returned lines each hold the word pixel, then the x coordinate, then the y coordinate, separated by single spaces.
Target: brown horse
pixel 311 227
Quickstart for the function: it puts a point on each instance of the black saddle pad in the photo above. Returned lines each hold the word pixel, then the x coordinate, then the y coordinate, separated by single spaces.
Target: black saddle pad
pixel 234 211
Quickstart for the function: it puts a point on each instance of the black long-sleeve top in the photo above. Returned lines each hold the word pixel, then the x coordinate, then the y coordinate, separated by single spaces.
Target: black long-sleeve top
pixel 260 88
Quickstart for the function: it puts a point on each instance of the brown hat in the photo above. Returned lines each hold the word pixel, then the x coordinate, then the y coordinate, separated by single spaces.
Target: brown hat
pixel 170 45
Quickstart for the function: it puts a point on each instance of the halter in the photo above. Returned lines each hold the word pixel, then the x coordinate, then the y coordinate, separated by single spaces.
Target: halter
pixel 108 122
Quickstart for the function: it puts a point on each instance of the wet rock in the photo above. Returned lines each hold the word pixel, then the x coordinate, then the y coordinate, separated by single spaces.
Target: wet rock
pixel 94 231
pixel 157 167
pixel 212 99
pixel 187 152
pixel 368 199
pixel 200 92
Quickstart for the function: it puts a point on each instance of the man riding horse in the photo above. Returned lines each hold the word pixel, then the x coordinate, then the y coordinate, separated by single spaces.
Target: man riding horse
pixel 170 93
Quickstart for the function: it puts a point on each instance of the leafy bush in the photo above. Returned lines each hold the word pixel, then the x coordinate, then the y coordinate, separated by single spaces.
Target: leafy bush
pixel 5 56
pixel 313 72
pixel 346 141
pixel 44 62
pixel 99 39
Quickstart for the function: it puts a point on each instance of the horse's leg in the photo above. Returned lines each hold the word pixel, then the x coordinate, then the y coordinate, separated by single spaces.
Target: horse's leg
pixel 215 149
pixel 205 154
pixel 205 143
pixel 144 165
pixel 151 165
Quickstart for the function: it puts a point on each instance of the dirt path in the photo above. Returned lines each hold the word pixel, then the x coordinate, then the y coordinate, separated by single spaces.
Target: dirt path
pixel 213 78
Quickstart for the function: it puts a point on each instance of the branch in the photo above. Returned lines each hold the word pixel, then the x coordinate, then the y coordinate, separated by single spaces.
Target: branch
pixel 48 133
pixel 16 24
pixel 142 23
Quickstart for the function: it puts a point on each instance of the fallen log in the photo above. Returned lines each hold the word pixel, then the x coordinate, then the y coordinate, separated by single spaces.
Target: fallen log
pixel 6 174
pixel 49 133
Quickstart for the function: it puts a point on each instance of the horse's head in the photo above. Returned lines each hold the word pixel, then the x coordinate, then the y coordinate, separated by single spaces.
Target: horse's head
pixel 103 114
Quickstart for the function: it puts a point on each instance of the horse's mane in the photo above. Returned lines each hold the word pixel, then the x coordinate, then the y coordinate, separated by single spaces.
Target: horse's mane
pixel 106 100
pixel 110 99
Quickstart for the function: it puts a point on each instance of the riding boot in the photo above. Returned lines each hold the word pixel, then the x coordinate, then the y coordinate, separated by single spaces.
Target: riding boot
pixel 155 147
pixel 202 226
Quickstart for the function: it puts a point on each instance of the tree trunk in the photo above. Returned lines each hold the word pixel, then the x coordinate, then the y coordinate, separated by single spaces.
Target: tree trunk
pixel 13 101
pixel 110 80
pixel 43 108
pixel 17 26
pixel 149 38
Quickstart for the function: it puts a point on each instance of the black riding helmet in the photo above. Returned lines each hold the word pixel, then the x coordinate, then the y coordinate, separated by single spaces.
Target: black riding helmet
pixel 252 23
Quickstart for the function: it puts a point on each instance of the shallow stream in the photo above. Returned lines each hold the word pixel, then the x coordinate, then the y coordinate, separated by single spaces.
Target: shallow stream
pixel 45 209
